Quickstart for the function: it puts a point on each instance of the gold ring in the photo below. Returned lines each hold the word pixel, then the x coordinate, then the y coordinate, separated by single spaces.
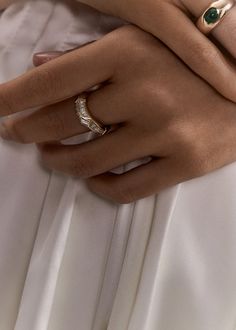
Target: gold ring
pixel 213 15
pixel 85 117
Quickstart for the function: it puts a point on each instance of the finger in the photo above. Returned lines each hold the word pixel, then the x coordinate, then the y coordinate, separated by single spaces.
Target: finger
pixel 59 79
pixel 135 184
pixel 180 34
pixel 5 3
pixel 60 121
pixel 223 32
pixel 44 57
pixel 94 157
pixel 53 123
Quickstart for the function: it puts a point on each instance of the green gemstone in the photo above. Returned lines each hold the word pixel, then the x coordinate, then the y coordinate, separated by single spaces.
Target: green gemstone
pixel 212 15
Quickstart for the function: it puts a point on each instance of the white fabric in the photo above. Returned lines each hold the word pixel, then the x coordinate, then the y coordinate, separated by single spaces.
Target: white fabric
pixel 70 260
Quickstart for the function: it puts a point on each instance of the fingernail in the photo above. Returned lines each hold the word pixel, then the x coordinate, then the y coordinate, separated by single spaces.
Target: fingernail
pixel 4 133
pixel 44 57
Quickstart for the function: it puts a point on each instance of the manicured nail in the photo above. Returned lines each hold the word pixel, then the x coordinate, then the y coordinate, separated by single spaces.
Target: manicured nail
pixel 44 57
pixel 4 133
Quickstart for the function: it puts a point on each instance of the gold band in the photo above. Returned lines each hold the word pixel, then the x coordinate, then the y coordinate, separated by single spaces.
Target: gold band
pixel 213 15
pixel 85 117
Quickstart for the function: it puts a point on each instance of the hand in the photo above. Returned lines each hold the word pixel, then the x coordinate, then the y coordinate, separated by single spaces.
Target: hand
pixel 162 110
pixel 172 21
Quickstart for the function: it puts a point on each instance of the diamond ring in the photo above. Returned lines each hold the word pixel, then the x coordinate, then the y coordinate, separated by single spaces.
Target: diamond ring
pixel 85 117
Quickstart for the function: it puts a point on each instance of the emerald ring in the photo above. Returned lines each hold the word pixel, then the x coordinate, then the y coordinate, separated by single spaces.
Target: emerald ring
pixel 213 15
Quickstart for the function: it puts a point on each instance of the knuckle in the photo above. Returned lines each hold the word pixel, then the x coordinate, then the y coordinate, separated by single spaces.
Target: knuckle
pixel 56 125
pixel 6 102
pixel 200 54
pixel 179 135
pixel 192 148
pixel 166 102
pixel 199 162
pixel 195 152
pixel 138 53
pixel 202 168
pixel 82 166
pixel 122 194
pixel 113 190
pixel 14 131
pixel 67 161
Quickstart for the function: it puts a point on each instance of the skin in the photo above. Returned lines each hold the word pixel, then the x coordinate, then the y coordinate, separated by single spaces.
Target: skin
pixel 159 109
pixel 173 22
pixel 5 3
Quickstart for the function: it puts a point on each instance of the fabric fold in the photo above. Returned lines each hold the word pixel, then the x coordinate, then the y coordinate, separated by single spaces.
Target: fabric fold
pixel 41 281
